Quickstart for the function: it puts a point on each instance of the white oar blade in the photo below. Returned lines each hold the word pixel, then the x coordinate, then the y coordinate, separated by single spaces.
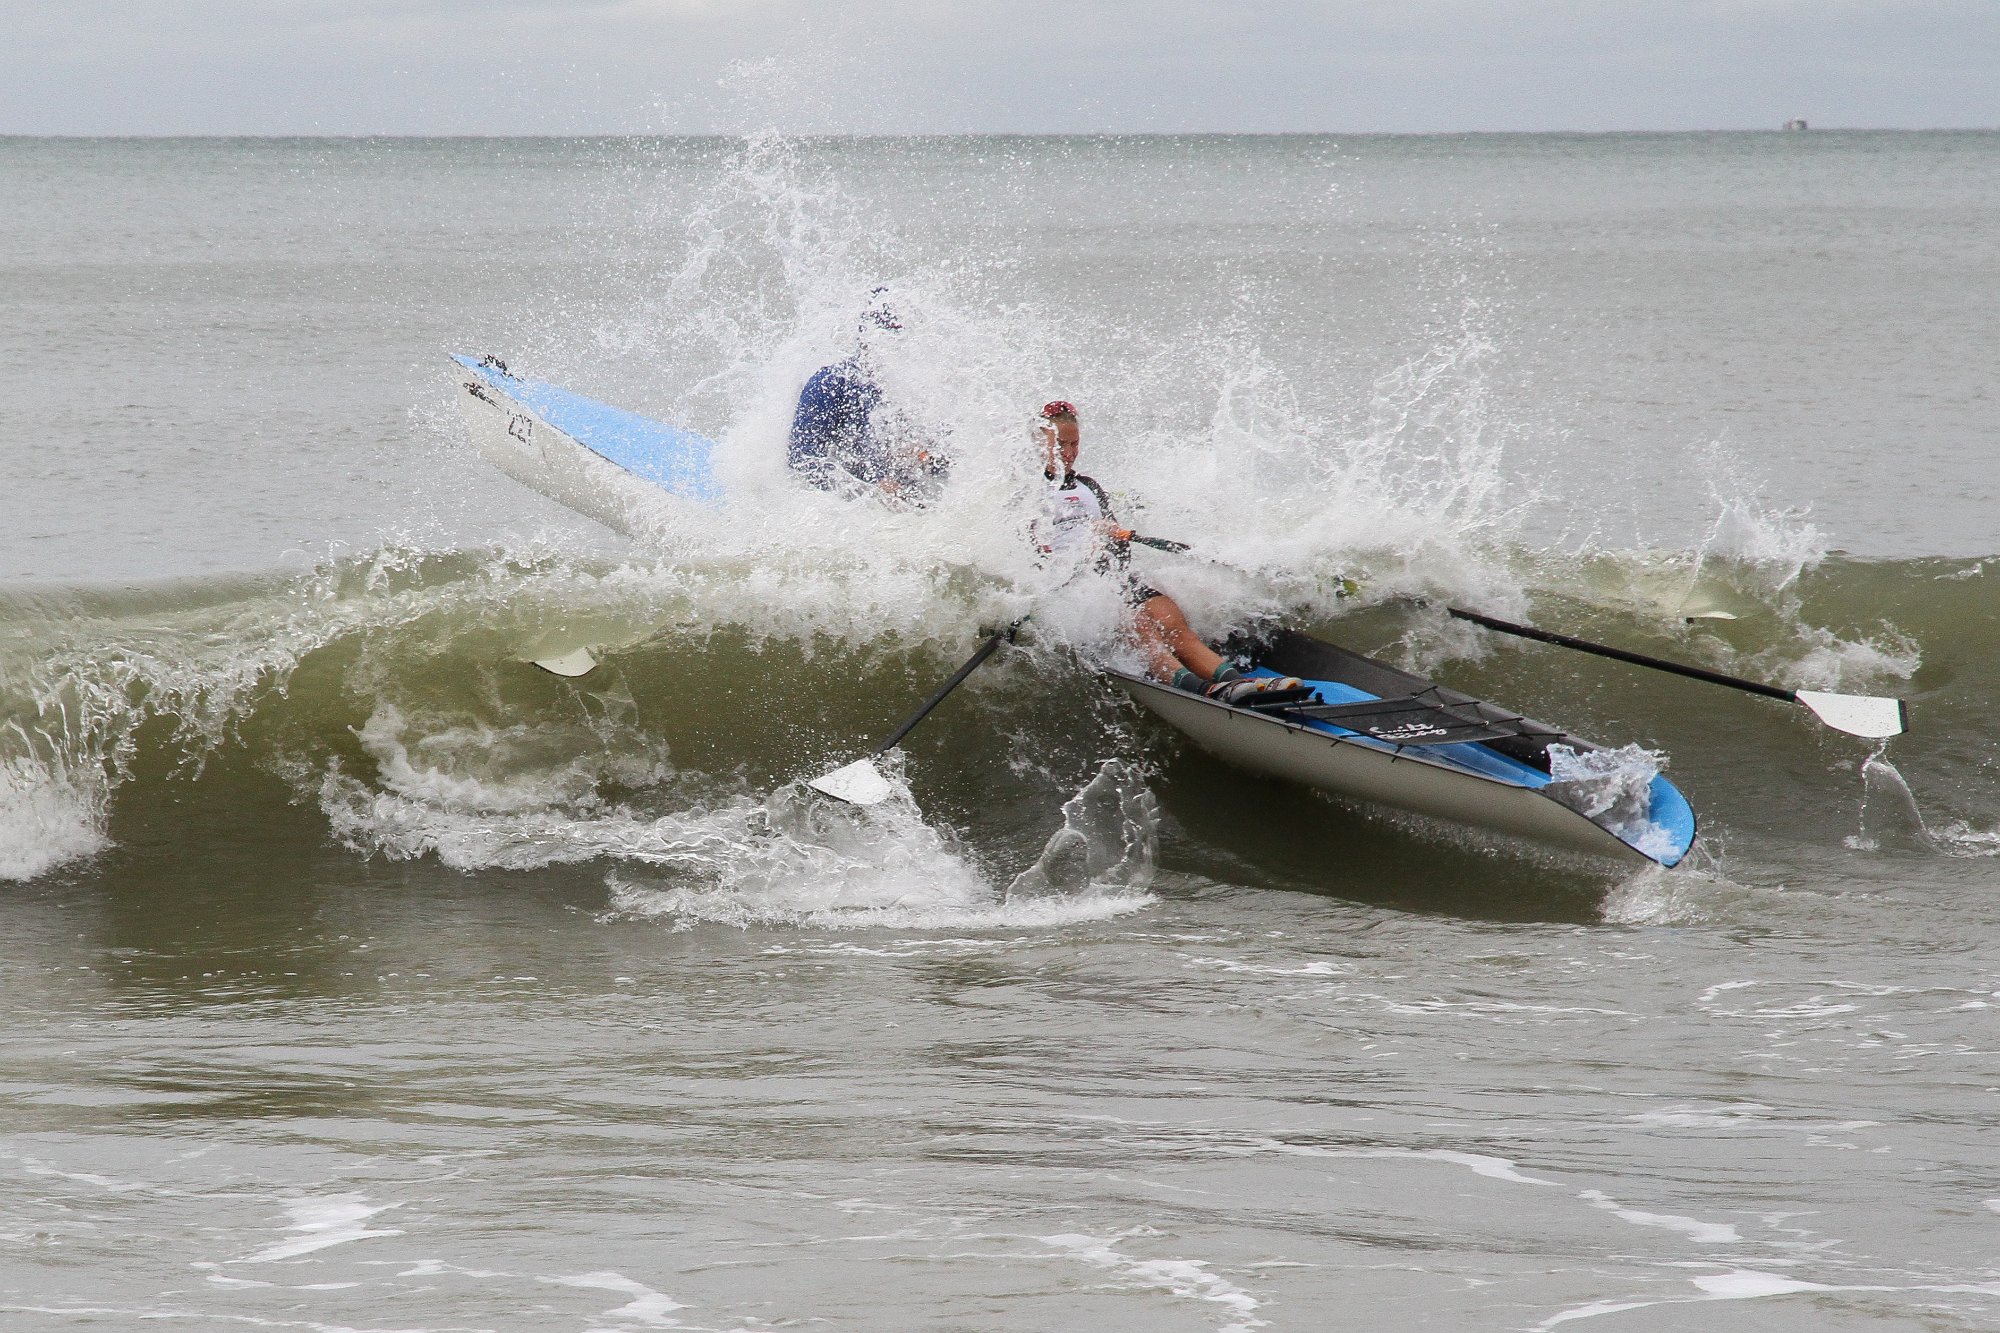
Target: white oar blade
pixel 1857 714
pixel 860 783
pixel 578 663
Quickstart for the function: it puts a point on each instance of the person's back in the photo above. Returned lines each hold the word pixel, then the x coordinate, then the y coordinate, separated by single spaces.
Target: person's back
pixel 845 438
pixel 833 441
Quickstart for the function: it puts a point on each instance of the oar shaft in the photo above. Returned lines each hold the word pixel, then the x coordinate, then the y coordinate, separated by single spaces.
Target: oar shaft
pixel 1620 655
pixel 986 650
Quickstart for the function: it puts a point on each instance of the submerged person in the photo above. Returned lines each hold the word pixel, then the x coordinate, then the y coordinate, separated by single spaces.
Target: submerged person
pixel 846 438
pixel 1077 519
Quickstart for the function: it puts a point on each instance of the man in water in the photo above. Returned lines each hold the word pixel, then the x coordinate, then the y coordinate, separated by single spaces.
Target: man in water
pixel 844 438
pixel 1076 517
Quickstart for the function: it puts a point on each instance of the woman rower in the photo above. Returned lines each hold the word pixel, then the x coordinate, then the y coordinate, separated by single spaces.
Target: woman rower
pixel 1077 515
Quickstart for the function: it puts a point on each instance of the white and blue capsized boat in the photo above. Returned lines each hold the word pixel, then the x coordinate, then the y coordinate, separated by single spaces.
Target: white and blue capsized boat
pixel 1372 733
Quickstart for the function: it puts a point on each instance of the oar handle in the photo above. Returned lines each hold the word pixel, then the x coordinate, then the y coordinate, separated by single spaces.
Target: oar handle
pixel 986 650
pixel 1620 655
pixel 1343 586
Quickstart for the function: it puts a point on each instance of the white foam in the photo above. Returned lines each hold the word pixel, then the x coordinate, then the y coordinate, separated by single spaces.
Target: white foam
pixel 404 828
pixel 1705 1233
pixel 1743 1285
pixel 1208 436
pixel 1594 1309
pixel 807 860
pixel 1730 1116
pixel 1822 660
pixel 36 1166
pixel 478 795
pixel 1110 836
pixel 518 798
pixel 1750 1285
pixel 49 815
pixel 1692 893
pixel 1959 838
pixel 322 1223
pixel 1613 788
pixel 647 1308
pixel 1481 1164
pixel 1186 1278
pixel 1318 967
pixel 438 1267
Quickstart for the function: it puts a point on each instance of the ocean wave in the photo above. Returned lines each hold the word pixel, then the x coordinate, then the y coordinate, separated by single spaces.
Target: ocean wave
pixel 392 691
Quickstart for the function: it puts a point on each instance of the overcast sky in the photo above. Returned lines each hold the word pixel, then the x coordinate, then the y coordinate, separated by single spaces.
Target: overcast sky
pixel 942 66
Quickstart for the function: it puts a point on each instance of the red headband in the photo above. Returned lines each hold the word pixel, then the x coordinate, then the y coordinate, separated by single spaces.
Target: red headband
pixel 1059 408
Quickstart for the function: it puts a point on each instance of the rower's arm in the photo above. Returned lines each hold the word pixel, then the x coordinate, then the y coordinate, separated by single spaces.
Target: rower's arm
pixel 1103 499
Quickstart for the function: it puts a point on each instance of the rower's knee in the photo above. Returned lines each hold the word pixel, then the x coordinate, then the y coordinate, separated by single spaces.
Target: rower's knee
pixel 1163 611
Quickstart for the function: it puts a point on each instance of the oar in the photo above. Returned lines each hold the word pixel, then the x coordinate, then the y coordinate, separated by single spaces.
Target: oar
pixel 1856 714
pixel 1347 587
pixel 861 783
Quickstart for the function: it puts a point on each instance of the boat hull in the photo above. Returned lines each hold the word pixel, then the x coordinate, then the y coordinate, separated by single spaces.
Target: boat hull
pixel 600 461
pixel 1410 778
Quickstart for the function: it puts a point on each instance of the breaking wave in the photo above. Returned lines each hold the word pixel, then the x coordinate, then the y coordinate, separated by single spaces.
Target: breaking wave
pixel 390 693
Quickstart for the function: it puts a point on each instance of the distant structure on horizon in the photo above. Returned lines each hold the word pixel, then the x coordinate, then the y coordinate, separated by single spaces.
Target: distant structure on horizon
pixel 1795 124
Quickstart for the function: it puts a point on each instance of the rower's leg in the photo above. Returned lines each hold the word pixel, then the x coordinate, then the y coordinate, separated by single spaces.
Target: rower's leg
pixel 1170 643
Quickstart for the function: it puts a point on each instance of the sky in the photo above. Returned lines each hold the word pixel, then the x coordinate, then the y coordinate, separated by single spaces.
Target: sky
pixel 258 67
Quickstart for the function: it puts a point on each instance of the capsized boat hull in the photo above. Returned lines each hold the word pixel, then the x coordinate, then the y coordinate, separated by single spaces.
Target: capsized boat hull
pixel 601 461
pixel 1500 786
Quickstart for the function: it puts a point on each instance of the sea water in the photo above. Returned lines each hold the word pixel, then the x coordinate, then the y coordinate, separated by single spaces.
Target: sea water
pixel 358 975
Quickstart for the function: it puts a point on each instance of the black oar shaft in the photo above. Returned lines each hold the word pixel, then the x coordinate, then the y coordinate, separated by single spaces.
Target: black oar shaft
pixel 1620 655
pixel 986 650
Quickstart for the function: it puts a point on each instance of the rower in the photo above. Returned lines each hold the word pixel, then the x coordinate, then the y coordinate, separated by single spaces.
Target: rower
pixel 1077 516
pixel 846 439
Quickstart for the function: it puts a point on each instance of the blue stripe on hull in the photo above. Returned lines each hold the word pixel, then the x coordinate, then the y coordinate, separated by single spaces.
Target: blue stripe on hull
pixel 1668 810
pixel 678 461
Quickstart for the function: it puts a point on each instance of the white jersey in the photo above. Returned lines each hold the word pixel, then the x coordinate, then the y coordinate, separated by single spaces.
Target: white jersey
pixel 1071 509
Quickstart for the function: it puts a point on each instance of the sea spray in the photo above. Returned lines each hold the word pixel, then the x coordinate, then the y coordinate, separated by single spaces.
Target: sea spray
pixel 1695 892
pixel 1613 788
pixel 1108 842
pixel 798 858
pixel 1889 817
pixel 1750 534
pixel 1202 414
pixel 50 813
pixel 1198 432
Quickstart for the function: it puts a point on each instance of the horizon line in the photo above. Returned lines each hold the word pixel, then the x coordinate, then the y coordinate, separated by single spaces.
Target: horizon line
pixel 989 134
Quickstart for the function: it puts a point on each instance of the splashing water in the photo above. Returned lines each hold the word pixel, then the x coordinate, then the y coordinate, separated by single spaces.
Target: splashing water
pixel 1889 815
pixel 1613 788
pixel 1108 842
pixel 1775 543
pixel 800 859
pixel 759 283
pixel 50 814
pixel 729 305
